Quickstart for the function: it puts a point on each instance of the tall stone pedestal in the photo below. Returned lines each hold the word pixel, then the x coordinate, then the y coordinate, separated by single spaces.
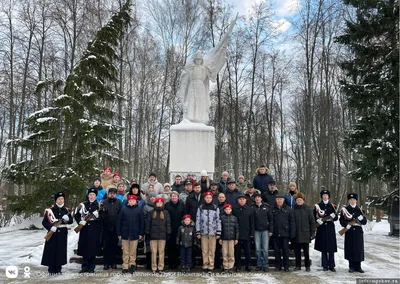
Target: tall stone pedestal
pixel 192 149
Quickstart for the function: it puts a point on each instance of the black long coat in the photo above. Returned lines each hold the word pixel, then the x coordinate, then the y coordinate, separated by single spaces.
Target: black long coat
pixel 55 250
pixel 354 237
pixel 157 228
pixel 176 212
pixel 245 217
pixel 305 223
pixel 192 204
pixel 325 239
pixel 89 237
pixel 284 224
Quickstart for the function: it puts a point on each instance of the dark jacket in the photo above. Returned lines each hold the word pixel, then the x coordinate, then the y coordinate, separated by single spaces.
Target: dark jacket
pixel 289 198
pixel 284 225
pixel 231 196
pixel 263 220
pixel 157 228
pixel 89 244
pixel 250 198
pixel 130 223
pixel 178 187
pixel 261 182
pixel 245 217
pixel 186 235
pixel 325 238
pixel 354 237
pixel 55 250
pixel 269 197
pixel 176 212
pixel 109 213
pixel 192 204
pixel 305 223
pixel 230 227
pixel 205 185
pixel 222 185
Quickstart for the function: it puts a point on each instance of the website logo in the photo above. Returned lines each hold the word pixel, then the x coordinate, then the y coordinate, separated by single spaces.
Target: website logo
pixel 12 272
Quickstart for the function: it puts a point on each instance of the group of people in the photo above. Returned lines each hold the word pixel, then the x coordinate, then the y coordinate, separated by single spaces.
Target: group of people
pixel 225 216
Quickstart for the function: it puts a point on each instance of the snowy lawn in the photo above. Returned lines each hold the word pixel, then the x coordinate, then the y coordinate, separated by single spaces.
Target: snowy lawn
pixel 23 249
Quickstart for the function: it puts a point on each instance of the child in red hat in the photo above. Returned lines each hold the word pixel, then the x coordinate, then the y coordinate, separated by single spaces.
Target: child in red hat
pixel 229 237
pixel 186 238
pixel 158 231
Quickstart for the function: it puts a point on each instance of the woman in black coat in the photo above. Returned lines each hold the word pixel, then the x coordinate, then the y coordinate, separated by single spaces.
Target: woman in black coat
pixel 176 210
pixel 354 237
pixel 305 230
pixel 325 239
pixel 55 249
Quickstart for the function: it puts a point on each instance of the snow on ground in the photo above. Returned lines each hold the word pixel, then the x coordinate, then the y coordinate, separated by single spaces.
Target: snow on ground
pixel 23 248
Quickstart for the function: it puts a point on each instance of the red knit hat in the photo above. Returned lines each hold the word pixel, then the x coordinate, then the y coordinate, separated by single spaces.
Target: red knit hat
pixel 134 197
pixel 208 193
pixel 227 206
pixel 186 216
pixel 159 199
pixel 108 169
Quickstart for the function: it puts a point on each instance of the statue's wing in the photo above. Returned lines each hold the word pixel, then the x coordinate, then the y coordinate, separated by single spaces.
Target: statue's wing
pixel 216 57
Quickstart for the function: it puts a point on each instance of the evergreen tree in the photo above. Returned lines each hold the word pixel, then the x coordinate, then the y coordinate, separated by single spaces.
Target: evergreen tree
pixel 67 139
pixel 372 88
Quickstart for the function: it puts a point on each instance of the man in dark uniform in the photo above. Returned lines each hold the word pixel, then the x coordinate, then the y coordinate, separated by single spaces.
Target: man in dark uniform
pixel 109 215
pixel 352 218
pixel 89 236
pixel 325 239
pixel 55 249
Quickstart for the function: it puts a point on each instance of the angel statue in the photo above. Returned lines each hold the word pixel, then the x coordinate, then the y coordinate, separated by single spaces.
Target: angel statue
pixel 194 90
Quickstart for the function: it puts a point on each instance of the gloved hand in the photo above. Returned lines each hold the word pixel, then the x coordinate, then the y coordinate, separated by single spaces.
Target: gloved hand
pixel 319 221
pixel 348 227
pixel 83 223
pixel 96 214
pixel 65 218
pixel 53 229
pixel 333 215
pixel 361 217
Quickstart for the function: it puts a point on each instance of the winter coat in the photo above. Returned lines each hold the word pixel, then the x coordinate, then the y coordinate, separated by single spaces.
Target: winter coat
pixel 325 238
pixel 269 197
pixel 221 207
pixel 157 228
pixel 284 223
pixel 223 185
pixel 55 250
pixel 158 188
pixel 250 198
pixel 305 223
pixel 263 219
pixel 208 220
pixel 184 195
pixel 176 212
pixel 354 237
pixel 130 223
pixel 289 199
pixel 166 194
pixel 106 180
pixel 242 187
pixel 261 181
pixel 178 187
pixel 231 196
pixel 230 227
pixel 192 204
pixel 205 185
pixel 121 197
pixel 245 218
pixel 109 213
pixel 186 235
pixel 89 244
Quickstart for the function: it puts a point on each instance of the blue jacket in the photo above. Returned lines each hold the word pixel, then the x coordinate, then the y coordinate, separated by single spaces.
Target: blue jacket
pixel 121 197
pixel 130 224
pixel 141 203
pixel 231 196
pixel 289 200
pixel 101 194
pixel 261 182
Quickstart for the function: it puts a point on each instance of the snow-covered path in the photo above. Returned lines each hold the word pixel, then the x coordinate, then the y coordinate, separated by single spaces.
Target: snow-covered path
pixel 23 248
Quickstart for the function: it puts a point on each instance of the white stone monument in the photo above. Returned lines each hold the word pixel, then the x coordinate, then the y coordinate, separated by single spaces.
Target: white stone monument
pixel 192 142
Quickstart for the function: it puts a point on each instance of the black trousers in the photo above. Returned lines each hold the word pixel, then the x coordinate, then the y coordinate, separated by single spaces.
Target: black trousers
pixel 54 269
pixel 328 259
pixel 281 244
pixel 245 245
pixel 297 253
pixel 217 257
pixel 173 254
pixel 89 263
pixel 355 265
pixel 110 245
